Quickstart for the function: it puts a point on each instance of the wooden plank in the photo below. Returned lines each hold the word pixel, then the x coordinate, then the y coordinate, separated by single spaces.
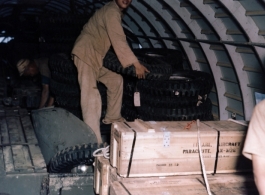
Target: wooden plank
pixel 8 160
pixel 101 178
pixel 162 181
pixel 11 112
pixel 37 158
pixel 15 130
pixel 117 189
pixel 2 164
pixel 2 111
pixel 3 131
pixel 219 185
pixel 231 141
pixel 29 130
pixel 96 182
pixel 152 157
pixel 23 112
pixel 22 160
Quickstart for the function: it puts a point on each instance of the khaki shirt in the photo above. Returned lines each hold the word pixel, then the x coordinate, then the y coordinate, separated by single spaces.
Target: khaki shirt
pixel 102 30
pixel 254 143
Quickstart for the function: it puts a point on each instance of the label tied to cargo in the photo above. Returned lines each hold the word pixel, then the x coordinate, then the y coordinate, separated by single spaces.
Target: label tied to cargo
pixel 136 99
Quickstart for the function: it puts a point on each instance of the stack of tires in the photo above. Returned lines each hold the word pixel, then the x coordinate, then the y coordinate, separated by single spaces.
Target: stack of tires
pixel 64 85
pixel 168 93
pixel 184 96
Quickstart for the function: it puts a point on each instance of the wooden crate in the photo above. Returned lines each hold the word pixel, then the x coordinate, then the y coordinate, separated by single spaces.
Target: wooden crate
pixel 105 175
pixel 231 138
pixel 161 148
pixel 101 175
pixel 219 185
pixel 18 144
pixel 22 166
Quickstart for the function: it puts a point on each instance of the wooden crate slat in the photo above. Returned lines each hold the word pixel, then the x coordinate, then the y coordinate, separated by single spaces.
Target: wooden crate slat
pixel 15 130
pixel 11 112
pixel 3 131
pixel 22 160
pixel 37 158
pixel 22 112
pixel 152 156
pixel 2 111
pixel 8 159
pixel 219 184
pixel 231 141
pixel 29 130
pixel 2 165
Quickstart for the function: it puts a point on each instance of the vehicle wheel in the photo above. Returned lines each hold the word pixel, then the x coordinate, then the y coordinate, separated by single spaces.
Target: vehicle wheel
pixel 62 63
pixel 65 160
pixel 158 69
pixel 65 78
pixel 61 89
pixel 180 84
pixel 201 112
pixel 170 56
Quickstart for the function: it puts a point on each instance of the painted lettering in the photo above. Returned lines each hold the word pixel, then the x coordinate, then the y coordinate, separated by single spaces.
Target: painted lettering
pixel 161 165
pixel 230 144
pixel 191 151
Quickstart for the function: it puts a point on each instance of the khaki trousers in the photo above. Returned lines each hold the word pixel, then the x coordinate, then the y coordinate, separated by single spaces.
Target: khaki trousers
pixel 90 97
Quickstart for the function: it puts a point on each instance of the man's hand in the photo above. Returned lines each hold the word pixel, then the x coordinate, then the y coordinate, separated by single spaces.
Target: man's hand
pixel 140 70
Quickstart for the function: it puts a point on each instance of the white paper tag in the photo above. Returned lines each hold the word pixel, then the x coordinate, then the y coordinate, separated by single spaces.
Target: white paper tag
pixel 136 99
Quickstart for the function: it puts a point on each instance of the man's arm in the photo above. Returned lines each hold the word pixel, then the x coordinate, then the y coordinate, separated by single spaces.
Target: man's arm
pixel 120 45
pixel 259 172
pixel 51 101
pixel 44 95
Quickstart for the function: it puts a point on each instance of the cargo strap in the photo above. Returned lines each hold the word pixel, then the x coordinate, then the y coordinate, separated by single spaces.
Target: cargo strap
pixel 132 150
pixel 201 159
pixel 125 188
pixel 217 153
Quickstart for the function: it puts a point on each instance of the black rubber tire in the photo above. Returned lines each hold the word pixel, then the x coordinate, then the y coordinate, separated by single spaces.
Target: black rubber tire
pixel 62 63
pixel 171 56
pixel 67 101
pixel 71 79
pixel 158 70
pixel 180 84
pixel 61 89
pixel 129 112
pixel 129 85
pixel 201 112
pixel 65 160
pixel 168 101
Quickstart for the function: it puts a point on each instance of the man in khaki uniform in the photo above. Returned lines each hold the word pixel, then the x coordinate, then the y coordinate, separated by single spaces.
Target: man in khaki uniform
pixel 102 30
pixel 254 146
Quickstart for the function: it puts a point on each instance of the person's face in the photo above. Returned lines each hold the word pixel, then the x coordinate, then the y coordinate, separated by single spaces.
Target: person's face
pixel 123 4
pixel 31 70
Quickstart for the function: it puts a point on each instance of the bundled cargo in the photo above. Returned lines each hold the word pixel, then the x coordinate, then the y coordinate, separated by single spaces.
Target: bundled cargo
pixel 144 149
pixel 231 138
pixel 219 184
pixel 161 148
pixel 105 175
